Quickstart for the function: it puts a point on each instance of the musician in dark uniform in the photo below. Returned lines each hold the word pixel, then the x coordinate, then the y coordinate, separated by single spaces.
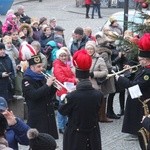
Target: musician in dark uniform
pixel 82 106
pixel 134 108
pixel 38 93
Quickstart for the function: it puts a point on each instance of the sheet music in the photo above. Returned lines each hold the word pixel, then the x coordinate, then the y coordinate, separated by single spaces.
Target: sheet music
pixel 135 91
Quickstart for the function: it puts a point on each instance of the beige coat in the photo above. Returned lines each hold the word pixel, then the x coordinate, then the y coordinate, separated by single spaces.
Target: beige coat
pixel 99 69
pixel 108 86
pixel 4 144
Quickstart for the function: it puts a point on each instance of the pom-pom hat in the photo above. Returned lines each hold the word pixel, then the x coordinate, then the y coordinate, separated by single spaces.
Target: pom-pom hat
pixel 144 45
pixel 40 141
pixel 82 62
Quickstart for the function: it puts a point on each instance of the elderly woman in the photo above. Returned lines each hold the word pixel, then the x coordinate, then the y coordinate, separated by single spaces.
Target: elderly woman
pixel 98 70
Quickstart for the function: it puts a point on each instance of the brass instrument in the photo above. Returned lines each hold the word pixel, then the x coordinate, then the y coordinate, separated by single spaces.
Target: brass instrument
pixel 143 134
pixel 135 68
pixel 56 83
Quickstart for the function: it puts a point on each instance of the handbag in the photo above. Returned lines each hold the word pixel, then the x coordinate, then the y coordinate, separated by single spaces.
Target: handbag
pixel 99 80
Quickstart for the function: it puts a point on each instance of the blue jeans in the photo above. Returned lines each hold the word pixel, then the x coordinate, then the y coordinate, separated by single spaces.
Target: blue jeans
pixel 96 7
pixel 61 120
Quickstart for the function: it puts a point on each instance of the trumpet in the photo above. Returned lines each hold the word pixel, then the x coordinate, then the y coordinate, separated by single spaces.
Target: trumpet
pixel 135 67
pixel 56 83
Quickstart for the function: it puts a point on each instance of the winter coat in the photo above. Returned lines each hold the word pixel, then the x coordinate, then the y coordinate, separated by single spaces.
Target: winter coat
pixel 108 86
pixel 99 69
pixel 38 97
pixel 4 144
pixel 36 34
pixel 13 53
pixel 63 73
pixel 6 90
pixel 82 106
pixel 75 46
pixel 88 2
pixel 134 109
pixel 17 134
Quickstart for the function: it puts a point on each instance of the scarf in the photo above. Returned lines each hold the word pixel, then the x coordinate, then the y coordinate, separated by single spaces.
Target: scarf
pixel 34 75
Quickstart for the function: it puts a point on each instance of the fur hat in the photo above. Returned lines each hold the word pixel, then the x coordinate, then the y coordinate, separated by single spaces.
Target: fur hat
pixel 82 62
pixel 90 44
pixel 144 45
pixel 60 51
pixel 3 104
pixel 36 59
pixel 40 141
pixel 79 31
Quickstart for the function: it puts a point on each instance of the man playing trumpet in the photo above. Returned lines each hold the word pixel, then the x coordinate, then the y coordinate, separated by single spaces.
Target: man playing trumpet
pixel 134 110
pixel 38 93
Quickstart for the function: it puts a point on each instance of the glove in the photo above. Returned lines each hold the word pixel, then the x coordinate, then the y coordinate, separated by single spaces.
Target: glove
pixel 91 74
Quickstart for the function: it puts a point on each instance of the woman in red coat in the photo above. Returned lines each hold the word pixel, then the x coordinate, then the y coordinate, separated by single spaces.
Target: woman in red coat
pixel 87 5
pixel 63 73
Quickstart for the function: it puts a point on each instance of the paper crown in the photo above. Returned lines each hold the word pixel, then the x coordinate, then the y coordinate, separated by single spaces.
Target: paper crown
pixel 26 51
pixel 82 62
pixel 144 45
pixel 36 59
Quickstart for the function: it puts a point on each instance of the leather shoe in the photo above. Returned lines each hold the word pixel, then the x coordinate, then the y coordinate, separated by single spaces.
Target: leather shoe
pixel 61 131
pixel 113 116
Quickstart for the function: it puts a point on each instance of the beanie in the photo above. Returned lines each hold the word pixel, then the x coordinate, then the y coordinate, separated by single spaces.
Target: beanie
pixel 59 52
pixel 82 62
pixel 79 31
pixel 144 45
pixel 90 44
pixel 40 141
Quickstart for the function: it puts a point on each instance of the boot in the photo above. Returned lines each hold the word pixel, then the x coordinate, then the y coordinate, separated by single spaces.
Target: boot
pixel 102 113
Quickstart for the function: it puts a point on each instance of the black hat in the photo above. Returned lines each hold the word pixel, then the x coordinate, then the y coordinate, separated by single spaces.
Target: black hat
pixel 36 59
pixel 41 141
pixel 3 104
pixel 59 28
pixel 79 31
pixel 2 46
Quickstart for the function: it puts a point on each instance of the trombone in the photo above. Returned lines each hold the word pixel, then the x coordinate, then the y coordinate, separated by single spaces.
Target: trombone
pixel 135 67
pixel 56 83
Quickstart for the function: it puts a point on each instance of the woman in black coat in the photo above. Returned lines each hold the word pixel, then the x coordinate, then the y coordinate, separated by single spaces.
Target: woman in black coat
pixel 38 94
pixel 6 75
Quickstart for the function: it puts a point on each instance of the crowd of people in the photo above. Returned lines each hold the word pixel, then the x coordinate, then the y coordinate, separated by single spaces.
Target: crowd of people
pixel 37 64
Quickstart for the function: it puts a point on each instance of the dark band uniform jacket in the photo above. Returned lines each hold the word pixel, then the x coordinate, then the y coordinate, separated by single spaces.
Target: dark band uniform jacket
pixel 134 108
pixel 38 96
pixel 82 106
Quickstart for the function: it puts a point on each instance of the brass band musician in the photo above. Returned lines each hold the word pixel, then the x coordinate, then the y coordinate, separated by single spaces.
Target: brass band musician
pixel 134 110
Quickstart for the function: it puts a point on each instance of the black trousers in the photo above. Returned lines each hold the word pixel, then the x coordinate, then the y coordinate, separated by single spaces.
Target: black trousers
pixel 87 9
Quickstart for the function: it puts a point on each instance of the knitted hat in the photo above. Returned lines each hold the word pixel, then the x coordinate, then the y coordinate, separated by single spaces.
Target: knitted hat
pixel 79 31
pixel 3 104
pixel 59 28
pixel 26 51
pixel 112 19
pixel 40 141
pixel 90 44
pixel 2 46
pixel 144 45
pixel 59 52
pixel 36 59
pixel 82 62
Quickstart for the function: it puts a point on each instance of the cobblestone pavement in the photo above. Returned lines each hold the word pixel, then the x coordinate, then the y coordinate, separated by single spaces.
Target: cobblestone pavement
pixel 69 17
